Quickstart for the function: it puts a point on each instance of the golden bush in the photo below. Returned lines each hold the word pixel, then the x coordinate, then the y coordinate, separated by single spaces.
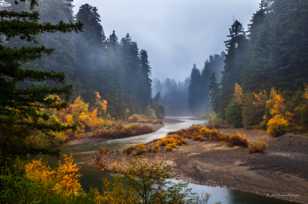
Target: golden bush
pixel 67 177
pixel 64 180
pixel 38 171
pixel 258 146
pixel 83 117
pixel 238 139
pixel 276 103
pixel 277 126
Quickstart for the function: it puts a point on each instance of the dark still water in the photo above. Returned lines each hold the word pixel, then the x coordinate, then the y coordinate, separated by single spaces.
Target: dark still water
pixel 91 177
pixel 226 196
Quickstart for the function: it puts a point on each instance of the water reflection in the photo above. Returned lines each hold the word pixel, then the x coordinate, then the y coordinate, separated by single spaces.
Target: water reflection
pixel 226 196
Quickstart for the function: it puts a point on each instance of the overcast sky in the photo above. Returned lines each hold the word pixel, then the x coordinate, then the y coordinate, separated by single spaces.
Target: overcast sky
pixel 176 33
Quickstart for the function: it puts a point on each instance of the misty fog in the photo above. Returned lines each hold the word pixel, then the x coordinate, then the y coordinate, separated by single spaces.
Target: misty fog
pixel 176 33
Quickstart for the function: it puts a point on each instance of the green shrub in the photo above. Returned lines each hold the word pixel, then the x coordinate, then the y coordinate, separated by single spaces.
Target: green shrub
pixel 233 114
pixel 254 108
pixel 214 120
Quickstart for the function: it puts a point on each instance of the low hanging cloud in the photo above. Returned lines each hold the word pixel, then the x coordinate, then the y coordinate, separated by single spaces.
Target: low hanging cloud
pixel 176 33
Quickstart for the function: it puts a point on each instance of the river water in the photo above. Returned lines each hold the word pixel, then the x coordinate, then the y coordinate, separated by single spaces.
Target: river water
pixel 91 177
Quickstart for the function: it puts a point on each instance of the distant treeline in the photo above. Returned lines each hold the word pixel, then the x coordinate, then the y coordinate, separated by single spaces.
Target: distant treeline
pixel 199 86
pixel 172 95
pixel 273 52
pixel 92 62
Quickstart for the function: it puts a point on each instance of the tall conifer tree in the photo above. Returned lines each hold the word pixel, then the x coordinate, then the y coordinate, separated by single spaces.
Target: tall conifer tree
pixel 24 91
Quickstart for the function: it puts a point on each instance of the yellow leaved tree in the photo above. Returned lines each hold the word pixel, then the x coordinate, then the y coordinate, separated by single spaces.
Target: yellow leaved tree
pixel 277 123
pixel 83 117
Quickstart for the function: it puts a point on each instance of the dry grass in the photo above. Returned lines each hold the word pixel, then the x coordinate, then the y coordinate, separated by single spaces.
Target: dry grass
pixel 258 146
pixel 120 130
pixel 238 139
pixel 138 118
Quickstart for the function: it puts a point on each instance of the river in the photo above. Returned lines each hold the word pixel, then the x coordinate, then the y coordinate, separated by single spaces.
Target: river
pixel 91 177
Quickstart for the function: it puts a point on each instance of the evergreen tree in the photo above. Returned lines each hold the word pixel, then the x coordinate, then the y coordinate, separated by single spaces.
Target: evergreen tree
pixel 93 31
pixel 259 50
pixel 132 73
pixel 63 59
pixel 214 92
pixel 146 79
pixel 235 60
pixel 195 91
pixel 290 41
pixel 24 91
pixel 89 45
pixel 113 39
pixel 205 79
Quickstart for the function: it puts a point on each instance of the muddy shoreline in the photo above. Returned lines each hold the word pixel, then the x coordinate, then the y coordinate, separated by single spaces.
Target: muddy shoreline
pixel 281 172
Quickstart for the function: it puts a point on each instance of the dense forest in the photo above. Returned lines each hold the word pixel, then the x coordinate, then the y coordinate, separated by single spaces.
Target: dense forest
pixel 265 58
pixel 199 86
pixel 63 82
pixel 93 62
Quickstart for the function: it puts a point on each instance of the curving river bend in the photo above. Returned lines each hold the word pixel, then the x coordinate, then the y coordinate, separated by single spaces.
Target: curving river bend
pixel 91 177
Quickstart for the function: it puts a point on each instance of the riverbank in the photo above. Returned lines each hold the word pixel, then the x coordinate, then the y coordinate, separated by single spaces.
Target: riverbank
pixel 280 172
pixel 133 129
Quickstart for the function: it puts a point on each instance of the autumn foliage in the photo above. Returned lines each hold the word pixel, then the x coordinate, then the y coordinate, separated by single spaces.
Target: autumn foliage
pixel 278 123
pixel 83 117
pixel 276 111
pixel 88 120
pixel 197 133
pixel 64 180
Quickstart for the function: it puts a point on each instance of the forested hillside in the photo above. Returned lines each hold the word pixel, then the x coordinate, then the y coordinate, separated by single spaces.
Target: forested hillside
pixel 93 61
pixel 267 59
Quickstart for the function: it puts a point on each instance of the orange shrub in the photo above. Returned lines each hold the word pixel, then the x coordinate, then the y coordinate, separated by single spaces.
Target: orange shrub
pixel 238 139
pixel 38 171
pixel 258 146
pixel 170 147
pixel 63 181
pixel 276 103
pixel 277 126
pixel 171 139
pixel 67 177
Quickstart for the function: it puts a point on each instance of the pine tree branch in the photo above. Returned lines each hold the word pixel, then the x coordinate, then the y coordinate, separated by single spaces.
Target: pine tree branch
pixel 19 15
pixel 23 53
pixel 28 29
pixel 32 74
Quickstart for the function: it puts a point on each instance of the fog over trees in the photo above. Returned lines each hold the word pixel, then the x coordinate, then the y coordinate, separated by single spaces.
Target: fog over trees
pixel 75 93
